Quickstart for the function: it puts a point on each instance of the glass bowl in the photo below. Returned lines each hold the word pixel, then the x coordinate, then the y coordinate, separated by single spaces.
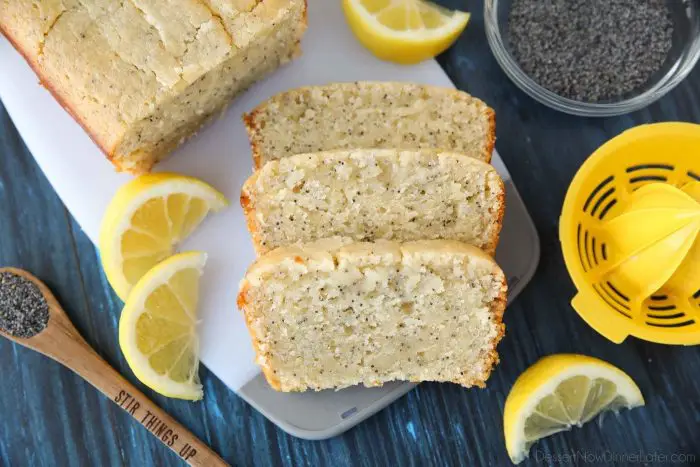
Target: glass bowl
pixel 681 59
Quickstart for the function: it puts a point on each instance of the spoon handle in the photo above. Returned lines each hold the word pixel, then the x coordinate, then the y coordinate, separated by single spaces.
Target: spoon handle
pixel 63 343
pixel 77 355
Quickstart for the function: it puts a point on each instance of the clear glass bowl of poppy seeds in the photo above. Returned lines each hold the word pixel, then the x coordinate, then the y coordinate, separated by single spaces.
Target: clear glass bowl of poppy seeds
pixel 594 58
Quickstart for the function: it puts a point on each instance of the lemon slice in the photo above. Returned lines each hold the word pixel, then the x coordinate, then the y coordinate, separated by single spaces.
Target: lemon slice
pixel 561 391
pixel 404 31
pixel 158 327
pixel 146 220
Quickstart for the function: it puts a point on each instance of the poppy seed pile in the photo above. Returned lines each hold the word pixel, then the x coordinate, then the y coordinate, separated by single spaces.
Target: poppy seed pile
pixel 590 50
pixel 24 312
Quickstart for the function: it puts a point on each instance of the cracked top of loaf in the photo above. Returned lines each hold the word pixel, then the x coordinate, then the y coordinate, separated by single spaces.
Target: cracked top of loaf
pixel 113 63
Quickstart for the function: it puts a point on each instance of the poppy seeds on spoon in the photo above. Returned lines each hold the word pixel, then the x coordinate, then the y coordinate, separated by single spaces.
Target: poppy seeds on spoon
pixel 590 50
pixel 24 311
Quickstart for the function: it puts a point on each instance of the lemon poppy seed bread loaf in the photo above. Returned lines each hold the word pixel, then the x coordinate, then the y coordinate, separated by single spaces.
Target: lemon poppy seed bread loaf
pixel 334 314
pixel 143 76
pixel 369 194
pixel 370 115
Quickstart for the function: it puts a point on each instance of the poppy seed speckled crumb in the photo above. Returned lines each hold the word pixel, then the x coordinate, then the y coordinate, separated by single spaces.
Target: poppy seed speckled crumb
pixel 24 311
pixel 590 50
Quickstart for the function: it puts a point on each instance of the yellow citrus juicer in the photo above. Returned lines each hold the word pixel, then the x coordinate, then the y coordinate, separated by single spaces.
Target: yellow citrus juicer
pixel 630 234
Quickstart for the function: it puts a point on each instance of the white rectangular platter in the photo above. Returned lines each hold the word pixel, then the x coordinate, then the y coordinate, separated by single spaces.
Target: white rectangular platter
pixel 220 155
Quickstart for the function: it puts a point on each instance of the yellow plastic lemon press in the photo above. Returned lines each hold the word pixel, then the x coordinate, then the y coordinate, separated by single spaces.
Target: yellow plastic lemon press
pixel 630 234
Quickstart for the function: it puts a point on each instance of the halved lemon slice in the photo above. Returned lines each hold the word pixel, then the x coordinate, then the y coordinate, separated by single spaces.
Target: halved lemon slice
pixel 146 220
pixel 561 391
pixel 158 327
pixel 404 31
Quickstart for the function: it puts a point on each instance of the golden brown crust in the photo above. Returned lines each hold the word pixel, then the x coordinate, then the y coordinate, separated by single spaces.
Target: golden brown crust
pixel 491 141
pixel 273 380
pixel 251 127
pixel 497 309
pixel 491 248
pixel 241 301
pixel 34 65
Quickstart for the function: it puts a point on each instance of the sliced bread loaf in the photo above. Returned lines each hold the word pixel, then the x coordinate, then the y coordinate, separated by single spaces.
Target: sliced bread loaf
pixel 370 194
pixel 335 314
pixel 143 76
pixel 370 115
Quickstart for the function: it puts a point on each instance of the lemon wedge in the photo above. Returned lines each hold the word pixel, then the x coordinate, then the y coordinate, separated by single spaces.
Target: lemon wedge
pixel 158 327
pixel 561 391
pixel 404 31
pixel 146 220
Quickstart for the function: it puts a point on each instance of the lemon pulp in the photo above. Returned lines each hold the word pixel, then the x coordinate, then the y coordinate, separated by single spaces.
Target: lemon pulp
pixel 147 219
pixel 158 327
pixel 404 31
pixel 559 392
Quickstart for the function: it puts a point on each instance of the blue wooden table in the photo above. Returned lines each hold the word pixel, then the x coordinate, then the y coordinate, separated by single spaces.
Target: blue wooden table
pixel 49 417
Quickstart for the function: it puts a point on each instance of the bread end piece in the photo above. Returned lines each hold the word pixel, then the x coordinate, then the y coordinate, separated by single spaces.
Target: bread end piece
pixel 252 128
pixel 248 206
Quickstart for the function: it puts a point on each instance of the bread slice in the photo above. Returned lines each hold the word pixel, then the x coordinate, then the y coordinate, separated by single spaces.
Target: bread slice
pixel 369 194
pixel 335 314
pixel 141 77
pixel 370 115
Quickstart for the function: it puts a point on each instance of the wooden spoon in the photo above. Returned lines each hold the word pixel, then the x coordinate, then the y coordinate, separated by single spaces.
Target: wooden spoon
pixel 62 342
